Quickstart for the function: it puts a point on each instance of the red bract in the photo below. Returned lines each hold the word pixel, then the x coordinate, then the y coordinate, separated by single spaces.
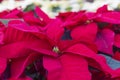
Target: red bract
pixel 105 41
pixel 3 63
pixel 15 13
pixel 117 40
pixel 72 67
pixel 42 15
pixel 74 19
pixel 105 15
pixel 85 33
pixel 117 56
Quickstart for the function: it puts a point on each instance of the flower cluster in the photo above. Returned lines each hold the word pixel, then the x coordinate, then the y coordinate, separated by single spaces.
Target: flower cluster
pixel 72 46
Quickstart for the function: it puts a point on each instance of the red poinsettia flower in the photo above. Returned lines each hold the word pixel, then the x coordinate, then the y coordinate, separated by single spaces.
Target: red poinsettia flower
pixel 21 47
pixel 81 30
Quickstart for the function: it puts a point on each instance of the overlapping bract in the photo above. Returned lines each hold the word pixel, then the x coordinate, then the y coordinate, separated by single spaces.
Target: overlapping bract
pixel 71 46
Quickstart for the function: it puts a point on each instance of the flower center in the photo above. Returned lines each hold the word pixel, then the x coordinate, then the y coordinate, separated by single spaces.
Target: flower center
pixel 56 49
pixel 88 21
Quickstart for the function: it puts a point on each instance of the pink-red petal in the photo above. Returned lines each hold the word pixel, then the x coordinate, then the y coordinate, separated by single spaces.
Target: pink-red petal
pixel 54 30
pixel 74 67
pixel 3 64
pixel 18 65
pixel 53 67
pixel 96 60
pixel 105 41
pixel 117 40
pixel 85 33
pixel 42 15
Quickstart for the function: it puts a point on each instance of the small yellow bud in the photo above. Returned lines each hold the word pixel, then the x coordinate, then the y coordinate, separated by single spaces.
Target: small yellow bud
pixel 56 49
